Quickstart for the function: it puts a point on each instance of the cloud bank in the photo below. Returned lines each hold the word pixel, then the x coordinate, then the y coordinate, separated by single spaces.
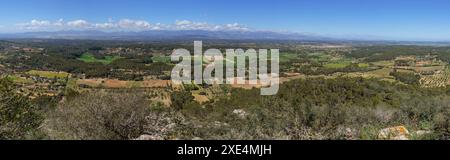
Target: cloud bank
pixel 125 25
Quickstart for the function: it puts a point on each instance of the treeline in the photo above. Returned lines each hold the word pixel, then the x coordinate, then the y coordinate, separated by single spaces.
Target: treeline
pixel 406 77
pixel 390 52
pixel 318 69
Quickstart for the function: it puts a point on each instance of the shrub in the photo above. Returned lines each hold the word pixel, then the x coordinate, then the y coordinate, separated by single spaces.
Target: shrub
pixel 99 115
pixel 19 119
pixel 180 98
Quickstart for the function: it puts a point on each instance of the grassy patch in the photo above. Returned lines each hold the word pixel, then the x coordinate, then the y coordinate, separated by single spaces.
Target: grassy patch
pixel 48 74
pixel 340 63
pixel 134 84
pixel 363 65
pixel 319 57
pixel 286 57
pixel 89 58
pixel 337 65
pixel 384 63
pixel 17 79
pixel 163 59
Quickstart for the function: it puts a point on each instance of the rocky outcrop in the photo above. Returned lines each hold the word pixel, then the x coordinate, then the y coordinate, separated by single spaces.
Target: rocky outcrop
pixel 240 113
pixel 394 133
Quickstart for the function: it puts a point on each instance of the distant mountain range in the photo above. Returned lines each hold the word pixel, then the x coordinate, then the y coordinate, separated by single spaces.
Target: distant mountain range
pixel 167 34
pixel 211 35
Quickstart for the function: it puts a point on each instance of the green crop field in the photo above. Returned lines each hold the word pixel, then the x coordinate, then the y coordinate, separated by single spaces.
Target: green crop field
pixel 89 58
pixel 286 57
pixel 17 79
pixel 363 65
pixel 163 59
pixel 319 57
pixel 48 74
pixel 336 65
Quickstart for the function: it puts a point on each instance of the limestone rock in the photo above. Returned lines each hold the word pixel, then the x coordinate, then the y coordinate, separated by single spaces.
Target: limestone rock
pixel 240 113
pixel 394 133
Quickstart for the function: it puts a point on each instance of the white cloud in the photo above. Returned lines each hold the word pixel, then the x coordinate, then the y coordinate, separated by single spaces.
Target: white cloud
pixel 60 23
pixel 78 24
pixel 127 25
pixel 39 23
pixel 189 25
pixel 105 25
pixel 235 26
pixel 183 22
pixel 35 24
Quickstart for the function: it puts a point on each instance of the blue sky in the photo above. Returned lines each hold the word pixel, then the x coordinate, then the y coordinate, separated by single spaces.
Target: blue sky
pixel 390 19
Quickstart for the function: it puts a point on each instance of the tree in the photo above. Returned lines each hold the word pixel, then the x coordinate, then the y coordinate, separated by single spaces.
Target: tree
pixel 405 77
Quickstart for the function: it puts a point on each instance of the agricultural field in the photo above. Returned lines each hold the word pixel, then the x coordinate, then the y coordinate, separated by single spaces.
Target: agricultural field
pixel 48 74
pixel 384 63
pixel 430 68
pixel 441 79
pixel 382 74
pixel 20 80
pixel 167 59
pixel 118 84
pixel 338 64
pixel 162 59
pixel 90 58
pixel 286 57
pixel 363 65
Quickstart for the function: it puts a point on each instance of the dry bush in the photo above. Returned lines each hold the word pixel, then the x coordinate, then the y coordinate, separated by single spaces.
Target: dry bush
pixel 19 119
pixel 99 115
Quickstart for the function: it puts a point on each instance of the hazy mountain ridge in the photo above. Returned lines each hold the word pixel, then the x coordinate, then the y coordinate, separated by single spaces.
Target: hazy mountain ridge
pixel 171 35
pixel 166 34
